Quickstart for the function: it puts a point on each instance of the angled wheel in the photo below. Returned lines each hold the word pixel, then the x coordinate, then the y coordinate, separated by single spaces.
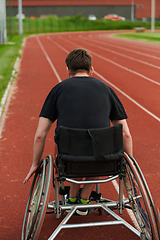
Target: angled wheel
pixel 37 201
pixel 140 200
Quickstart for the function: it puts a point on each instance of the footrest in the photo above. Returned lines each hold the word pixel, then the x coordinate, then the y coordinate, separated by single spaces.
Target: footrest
pixel 95 195
pixel 64 191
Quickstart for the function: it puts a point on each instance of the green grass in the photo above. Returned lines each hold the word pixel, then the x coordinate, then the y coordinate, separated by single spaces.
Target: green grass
pixel 8 55
pixel 152 37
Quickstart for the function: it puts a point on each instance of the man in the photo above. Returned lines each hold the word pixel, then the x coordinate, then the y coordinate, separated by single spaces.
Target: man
pixel 79 102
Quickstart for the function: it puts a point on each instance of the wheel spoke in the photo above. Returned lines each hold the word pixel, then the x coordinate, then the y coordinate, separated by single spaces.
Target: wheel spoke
pixel 37 202
pixel 139 201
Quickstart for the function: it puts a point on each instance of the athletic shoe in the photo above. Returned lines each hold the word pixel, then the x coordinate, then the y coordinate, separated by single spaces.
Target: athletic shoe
pixel 70 201
pixel 82 211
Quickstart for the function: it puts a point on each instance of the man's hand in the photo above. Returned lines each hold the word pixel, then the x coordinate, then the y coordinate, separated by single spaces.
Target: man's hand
pixel 32 170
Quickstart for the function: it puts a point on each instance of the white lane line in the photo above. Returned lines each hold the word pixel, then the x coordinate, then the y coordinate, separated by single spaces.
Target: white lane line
pixel 137 52
pixel 127 69
pixel 130 213
pixel 48 59
pixel 117 53
pixel 50 39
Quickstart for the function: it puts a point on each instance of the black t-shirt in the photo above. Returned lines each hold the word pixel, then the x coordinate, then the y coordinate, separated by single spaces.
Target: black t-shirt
pixel 82 102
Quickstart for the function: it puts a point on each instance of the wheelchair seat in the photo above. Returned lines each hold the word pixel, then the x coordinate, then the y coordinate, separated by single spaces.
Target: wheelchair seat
pixel 90 152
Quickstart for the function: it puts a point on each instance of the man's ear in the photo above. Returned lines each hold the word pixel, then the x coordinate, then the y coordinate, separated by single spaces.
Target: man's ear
pixel 68 71
pixel 91 71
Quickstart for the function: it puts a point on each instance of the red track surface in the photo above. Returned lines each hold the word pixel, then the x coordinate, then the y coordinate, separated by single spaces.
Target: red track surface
pixel 132 69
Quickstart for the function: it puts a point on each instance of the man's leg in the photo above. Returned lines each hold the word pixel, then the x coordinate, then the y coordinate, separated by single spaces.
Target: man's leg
pixel 84 196
pixel 87 189
pixel 74 189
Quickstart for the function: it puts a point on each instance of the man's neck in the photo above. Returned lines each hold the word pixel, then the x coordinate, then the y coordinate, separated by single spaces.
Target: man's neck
pixel 81 74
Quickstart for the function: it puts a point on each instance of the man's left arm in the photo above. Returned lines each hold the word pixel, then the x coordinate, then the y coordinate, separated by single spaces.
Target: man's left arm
pixel 127 138
pixel 44 126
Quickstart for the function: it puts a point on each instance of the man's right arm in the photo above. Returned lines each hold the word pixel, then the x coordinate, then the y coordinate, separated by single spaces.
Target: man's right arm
pixel 44 126
pixel 127 138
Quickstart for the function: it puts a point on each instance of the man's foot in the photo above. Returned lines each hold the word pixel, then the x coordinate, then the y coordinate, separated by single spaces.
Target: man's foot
pixel 70 200
pixel 82 211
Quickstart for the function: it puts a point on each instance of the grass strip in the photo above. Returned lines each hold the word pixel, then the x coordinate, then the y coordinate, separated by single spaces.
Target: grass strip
pixel 145 36
pixel 8 55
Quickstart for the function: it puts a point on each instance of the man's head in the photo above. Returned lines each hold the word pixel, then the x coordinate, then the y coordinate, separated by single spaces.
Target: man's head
pixel 79 60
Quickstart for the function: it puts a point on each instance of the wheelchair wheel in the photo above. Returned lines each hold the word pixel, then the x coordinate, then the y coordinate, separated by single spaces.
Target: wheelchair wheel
pixel 37 201
pixel 140 200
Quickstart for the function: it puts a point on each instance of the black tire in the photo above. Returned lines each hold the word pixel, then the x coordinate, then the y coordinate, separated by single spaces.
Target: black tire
pixel 140 199
pixel 37 201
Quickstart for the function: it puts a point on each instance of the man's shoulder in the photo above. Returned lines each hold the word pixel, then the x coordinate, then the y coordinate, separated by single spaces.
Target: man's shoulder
pixel 78 81
pixel 97 80
pixel 100 82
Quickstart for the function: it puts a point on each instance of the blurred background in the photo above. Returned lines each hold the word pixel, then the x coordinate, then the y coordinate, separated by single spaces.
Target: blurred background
pixel 42 16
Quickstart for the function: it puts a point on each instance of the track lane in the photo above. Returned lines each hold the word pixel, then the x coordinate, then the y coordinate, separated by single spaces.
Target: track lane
pixel 123 56
pixel 153 54
pixel 141 47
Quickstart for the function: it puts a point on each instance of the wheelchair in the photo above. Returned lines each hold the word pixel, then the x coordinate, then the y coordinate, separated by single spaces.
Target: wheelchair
pixel 91 153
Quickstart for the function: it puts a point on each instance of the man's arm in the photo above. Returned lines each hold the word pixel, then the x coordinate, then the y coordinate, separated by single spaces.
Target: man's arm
pixel 44 126
pixel 127 138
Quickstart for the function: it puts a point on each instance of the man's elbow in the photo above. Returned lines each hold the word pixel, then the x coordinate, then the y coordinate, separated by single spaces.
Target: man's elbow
pixel 40 136
pixel 127 136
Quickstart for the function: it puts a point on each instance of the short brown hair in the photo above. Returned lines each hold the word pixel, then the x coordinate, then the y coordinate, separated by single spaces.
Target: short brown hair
pixel 79 59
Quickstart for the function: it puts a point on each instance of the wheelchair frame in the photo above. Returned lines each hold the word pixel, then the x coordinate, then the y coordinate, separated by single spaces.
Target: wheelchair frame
pixel 139 201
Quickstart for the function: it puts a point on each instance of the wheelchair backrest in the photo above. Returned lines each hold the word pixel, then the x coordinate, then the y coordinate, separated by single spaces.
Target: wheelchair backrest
pixel 89 148
pixel 82 142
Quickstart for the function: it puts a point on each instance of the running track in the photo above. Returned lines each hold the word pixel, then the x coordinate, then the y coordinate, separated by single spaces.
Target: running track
pixel 131 68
